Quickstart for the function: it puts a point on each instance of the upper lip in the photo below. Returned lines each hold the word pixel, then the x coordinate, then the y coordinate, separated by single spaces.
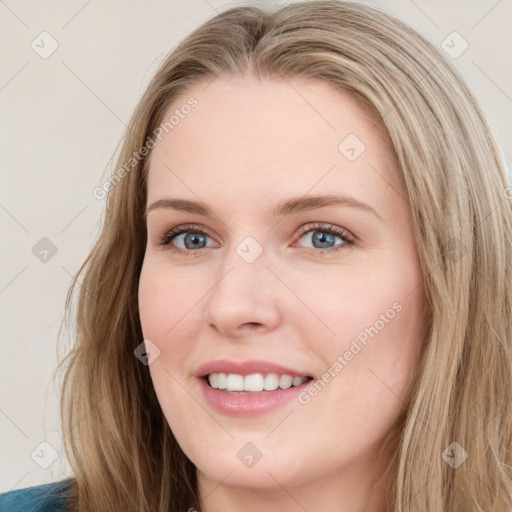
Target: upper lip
pixel 246 368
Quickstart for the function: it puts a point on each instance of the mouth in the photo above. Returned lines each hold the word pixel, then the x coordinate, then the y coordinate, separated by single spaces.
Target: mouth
pixel 254 383
pixel 251 387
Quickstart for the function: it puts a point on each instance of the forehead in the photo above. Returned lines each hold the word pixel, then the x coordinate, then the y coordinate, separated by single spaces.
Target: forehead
pixel 291 135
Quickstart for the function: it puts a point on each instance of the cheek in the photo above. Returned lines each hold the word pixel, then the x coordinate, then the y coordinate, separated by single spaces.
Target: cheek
pixel 165 313
pixel 347 305
pixel 385 367
pixel 166 301
pixel 376 321
pixel 371 364
pixel 170 313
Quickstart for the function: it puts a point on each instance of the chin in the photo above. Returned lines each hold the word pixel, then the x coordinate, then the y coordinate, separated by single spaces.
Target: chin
pixel 267 473
pixel 237 476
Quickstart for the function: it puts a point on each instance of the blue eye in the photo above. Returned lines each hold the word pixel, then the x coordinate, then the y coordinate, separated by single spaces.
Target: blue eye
pixel 194 238
pixel 323 236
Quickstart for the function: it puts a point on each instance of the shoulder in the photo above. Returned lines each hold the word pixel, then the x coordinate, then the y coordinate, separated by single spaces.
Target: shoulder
pixel 40 498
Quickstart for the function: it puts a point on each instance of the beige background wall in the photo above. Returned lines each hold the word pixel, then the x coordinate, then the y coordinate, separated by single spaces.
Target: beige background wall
pixel 61 118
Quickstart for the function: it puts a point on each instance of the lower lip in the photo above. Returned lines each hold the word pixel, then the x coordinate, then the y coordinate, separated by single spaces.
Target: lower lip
pixel 249 405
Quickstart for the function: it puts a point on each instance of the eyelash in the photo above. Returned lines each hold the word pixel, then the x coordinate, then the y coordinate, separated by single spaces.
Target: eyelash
pixel 326 228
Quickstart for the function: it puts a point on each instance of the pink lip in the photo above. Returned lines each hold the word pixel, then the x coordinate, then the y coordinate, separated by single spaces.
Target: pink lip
pixel 247 405
pixel 246 368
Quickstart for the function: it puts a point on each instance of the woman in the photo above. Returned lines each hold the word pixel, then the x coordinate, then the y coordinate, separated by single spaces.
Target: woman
pixel 300 298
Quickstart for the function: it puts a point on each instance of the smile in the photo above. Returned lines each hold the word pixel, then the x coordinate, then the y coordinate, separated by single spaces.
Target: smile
pixel 249 387
pixel 253 383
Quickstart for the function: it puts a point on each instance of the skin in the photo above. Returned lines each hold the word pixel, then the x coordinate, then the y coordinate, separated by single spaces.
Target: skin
pixel 246 146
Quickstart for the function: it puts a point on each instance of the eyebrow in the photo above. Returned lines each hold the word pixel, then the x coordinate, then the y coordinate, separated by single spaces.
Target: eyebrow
pixel 288 207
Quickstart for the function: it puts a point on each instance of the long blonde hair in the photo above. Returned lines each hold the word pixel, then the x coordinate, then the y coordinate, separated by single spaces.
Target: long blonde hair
pixel 119 445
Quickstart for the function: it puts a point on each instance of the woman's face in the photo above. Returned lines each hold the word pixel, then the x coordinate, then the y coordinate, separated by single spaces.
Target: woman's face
pixel 270 278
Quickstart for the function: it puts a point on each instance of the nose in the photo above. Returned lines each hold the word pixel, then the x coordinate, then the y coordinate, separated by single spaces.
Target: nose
pixel 244 298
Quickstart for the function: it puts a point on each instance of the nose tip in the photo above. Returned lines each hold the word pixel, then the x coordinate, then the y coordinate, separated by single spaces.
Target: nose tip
pixel 244 300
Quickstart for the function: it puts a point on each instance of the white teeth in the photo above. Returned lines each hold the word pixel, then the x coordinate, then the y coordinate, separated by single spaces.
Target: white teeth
pixel 271 381
pixel 213 379
pixel 222 380
pixel 297 381
pixel 253 382
pixel 285 381
pixel 235 382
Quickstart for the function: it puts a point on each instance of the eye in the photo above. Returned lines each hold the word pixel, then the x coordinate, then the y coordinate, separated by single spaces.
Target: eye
pixel 323 237
pixel 189 237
